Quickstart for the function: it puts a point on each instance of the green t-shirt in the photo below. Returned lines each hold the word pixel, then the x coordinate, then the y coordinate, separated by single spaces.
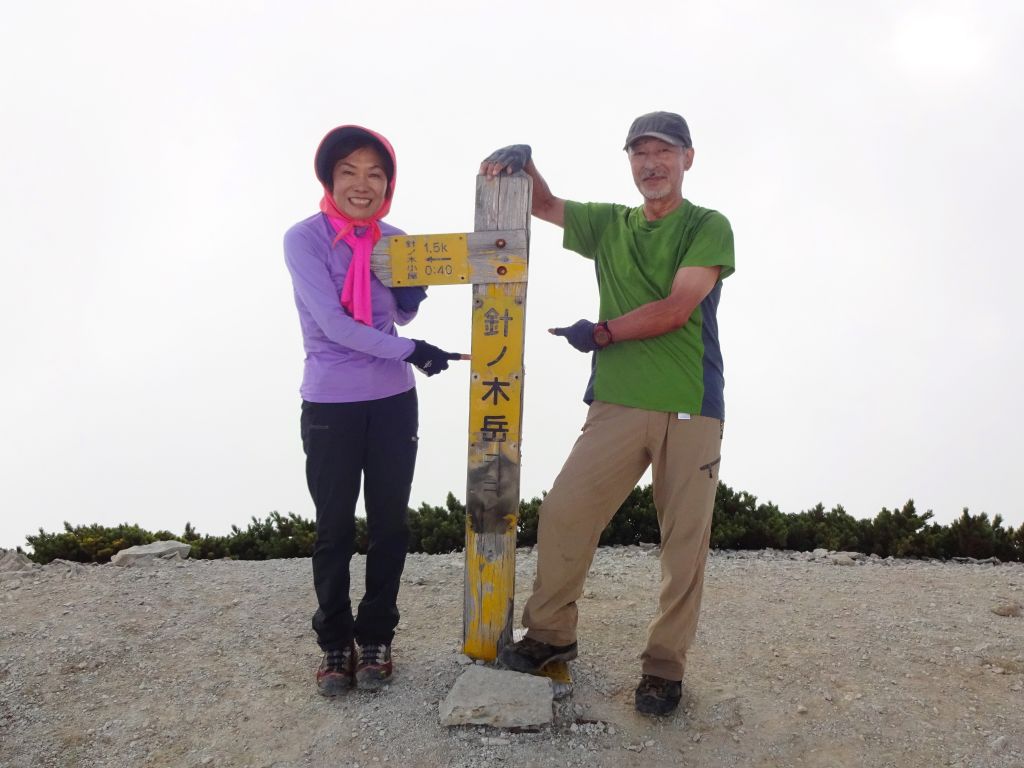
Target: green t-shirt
pixel 636 261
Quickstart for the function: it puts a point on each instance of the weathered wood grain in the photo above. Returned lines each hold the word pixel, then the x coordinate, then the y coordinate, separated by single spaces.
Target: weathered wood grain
pixel 492 494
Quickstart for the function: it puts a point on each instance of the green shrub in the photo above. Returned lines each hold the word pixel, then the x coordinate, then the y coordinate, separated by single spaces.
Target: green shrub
pixel 635 520
pixel 739 522
pixel 437 530
pixel 975 536
pixel 528 520
pixel 816 528
pixel 89 543
pixel 269 539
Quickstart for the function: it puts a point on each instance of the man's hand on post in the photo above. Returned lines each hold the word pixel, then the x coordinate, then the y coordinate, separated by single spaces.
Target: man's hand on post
pixel 580 335
pixel 512 159
pixel 431 359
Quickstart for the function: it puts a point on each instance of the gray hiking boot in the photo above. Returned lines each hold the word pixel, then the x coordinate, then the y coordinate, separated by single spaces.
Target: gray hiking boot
pixel 531 656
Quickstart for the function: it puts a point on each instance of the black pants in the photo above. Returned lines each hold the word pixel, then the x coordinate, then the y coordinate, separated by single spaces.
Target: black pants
pixel 373 440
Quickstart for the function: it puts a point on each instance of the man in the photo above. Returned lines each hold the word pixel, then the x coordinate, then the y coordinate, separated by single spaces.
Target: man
pixel 655 397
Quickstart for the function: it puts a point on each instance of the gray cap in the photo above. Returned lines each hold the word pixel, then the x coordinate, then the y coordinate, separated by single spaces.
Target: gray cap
pixel 667 126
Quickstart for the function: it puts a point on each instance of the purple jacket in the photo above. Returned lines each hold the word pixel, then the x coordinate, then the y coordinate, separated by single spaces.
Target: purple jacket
pixel 345 361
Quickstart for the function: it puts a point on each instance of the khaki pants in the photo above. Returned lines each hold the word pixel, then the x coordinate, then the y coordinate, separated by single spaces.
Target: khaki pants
pixel 609 458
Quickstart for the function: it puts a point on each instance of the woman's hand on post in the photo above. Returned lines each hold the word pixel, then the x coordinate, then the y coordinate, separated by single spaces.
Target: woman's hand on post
pixel 431 359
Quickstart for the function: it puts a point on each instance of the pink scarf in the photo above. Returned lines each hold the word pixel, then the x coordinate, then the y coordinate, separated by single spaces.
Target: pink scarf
pixel 355 293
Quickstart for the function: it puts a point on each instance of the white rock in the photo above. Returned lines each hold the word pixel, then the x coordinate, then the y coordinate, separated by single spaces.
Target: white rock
pixel 12 561
pixel 852 555
pixel 152 551
pixel 1010 609
pixel 499 698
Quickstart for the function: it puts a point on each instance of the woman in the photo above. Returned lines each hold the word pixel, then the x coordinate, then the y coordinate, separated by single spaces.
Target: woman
pixel 359 411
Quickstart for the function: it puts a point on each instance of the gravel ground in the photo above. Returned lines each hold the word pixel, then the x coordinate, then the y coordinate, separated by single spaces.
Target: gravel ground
pixel 799 661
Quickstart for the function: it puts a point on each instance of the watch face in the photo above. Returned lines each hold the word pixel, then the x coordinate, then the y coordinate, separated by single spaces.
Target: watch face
pixel 601 336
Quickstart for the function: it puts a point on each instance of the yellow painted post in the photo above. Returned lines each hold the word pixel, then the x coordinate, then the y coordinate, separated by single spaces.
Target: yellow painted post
pixel 494 260
pixel 495 422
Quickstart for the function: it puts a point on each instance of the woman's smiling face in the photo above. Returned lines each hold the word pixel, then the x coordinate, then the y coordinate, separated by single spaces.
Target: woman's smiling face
pixel 359 183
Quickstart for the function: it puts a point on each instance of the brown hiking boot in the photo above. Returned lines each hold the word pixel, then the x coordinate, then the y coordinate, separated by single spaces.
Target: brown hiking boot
pixel 657 696
pixel 374 668
pixel 531 656
pixel 337 671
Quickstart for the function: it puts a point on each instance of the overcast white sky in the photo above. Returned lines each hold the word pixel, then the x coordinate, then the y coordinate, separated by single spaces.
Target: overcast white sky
pixel 153 154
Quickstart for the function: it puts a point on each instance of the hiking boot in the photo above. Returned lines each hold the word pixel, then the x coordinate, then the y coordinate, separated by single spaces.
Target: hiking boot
pixel 657 696
pixel 531 656
pixel 337 671
pixel 373 669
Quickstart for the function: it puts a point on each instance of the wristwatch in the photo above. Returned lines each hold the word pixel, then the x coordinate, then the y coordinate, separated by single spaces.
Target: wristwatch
pixel 602 334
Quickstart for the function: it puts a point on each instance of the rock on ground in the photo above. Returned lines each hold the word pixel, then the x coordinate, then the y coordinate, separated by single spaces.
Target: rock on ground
pixel 12 561
pixel 498 698
pixel 157 549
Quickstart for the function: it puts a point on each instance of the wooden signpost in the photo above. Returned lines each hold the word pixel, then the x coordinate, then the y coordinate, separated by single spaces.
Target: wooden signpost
pixel 493 259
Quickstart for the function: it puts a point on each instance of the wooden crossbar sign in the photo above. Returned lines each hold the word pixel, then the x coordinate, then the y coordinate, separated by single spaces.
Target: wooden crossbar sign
pixel 493 259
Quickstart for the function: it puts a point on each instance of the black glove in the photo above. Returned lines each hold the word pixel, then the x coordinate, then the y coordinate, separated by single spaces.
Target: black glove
pixel 408 299
pixel 513 157
pixel 429 358
pixel 580 334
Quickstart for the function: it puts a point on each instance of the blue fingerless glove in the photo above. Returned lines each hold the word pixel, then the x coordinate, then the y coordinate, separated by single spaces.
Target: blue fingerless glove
pixel 428 358
pixel 580 334
pixel 514 157
pixel 408 299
